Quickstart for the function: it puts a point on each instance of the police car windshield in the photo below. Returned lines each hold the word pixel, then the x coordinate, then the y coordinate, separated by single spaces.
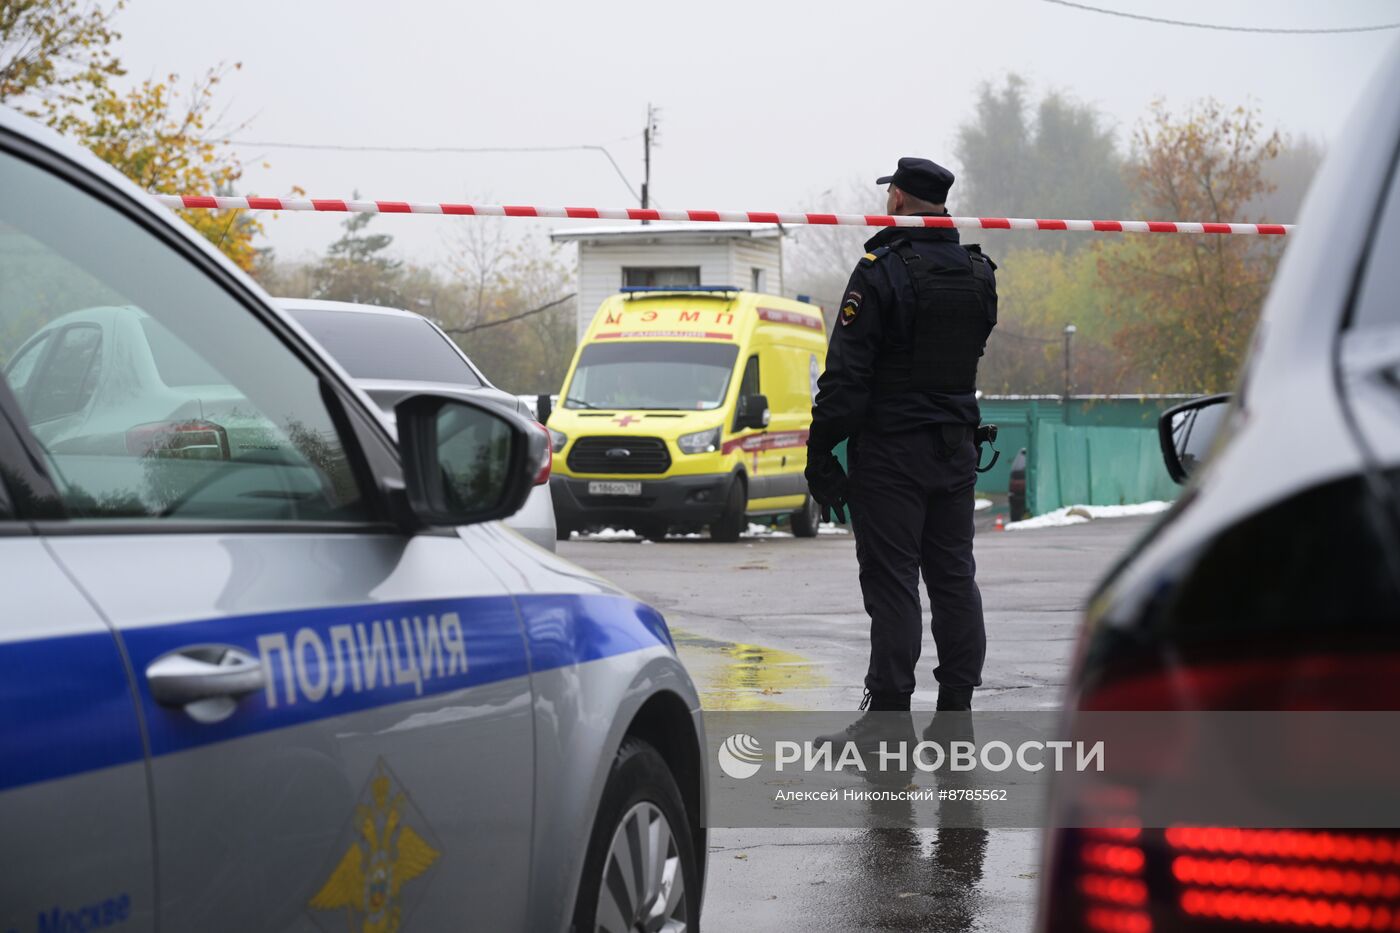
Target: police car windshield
pixel 386 346
pixel 652 375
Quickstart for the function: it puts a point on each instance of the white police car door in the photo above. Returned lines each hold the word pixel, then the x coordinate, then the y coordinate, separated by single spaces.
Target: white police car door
pixel 337 713
pixel 74 803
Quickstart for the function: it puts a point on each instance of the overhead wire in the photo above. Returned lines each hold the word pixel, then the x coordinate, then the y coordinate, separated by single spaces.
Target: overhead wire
pixel 513 318
pixel 454 150
pixel 1221 28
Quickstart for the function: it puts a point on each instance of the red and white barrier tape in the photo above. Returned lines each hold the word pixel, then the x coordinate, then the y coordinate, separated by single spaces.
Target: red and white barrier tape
pixel 205 202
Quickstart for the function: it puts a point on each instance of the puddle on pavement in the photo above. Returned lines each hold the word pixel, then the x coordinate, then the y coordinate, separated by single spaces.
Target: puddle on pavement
pixel 737 676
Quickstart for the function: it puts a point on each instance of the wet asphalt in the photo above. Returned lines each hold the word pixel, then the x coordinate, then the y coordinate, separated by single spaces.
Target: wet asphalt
pixel 775 622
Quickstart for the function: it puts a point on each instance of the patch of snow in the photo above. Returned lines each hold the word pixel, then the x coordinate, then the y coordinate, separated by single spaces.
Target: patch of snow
pixel 832 528
pixel 1079 514
pixel 607 534
pixel 979 504
pixel 755 530
pixel 1056 519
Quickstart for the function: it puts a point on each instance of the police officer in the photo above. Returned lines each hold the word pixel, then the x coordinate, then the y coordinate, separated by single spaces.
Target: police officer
pixel 900 383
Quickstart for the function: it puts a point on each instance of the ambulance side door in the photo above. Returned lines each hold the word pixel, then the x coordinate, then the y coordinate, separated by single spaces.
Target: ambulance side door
pixel 751 448
pixel 784 453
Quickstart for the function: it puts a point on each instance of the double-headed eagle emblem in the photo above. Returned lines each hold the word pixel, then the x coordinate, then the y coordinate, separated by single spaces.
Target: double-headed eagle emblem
pixel 385 854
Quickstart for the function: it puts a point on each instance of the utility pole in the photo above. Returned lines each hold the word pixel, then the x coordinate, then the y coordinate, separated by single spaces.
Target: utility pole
pixel 648 139
pixel 1069 332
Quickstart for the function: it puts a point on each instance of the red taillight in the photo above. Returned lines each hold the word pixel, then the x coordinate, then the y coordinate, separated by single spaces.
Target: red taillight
pixel 1302 879
pixel 195 439
pixel 1217 877
pixel 1109 881
pixel 1365 849
pixel 1289 912
pixel 1190 878
pixel 1213 878
pixel 1301 682
pixel 548 463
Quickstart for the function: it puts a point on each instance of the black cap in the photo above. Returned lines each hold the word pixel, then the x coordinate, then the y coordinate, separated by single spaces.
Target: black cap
pixel 925 180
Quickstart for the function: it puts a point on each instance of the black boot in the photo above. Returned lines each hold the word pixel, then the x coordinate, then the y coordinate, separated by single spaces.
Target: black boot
pixel 881 722
pixel 949 726
pixel 876 731
pixel 954 698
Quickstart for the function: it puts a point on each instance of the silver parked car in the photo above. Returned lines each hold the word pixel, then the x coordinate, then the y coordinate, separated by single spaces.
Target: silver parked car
pixel 392 354
pixel 266 665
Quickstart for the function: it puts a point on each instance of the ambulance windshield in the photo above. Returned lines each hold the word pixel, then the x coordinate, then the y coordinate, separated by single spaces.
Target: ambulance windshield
pixel 655 375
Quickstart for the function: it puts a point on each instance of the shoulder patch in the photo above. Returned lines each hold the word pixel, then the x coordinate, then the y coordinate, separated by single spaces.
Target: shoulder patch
pixel 850 307
pixel 872 257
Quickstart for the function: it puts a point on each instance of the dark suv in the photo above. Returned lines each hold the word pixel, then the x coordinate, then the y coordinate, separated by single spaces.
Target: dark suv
pixel 1274 582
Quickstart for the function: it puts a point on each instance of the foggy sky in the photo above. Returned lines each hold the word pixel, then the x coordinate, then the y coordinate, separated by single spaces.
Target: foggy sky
pixel 764 105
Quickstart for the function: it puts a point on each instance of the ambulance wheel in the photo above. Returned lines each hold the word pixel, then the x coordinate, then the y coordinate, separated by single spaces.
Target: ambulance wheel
pixel 732 523
pixel 807 519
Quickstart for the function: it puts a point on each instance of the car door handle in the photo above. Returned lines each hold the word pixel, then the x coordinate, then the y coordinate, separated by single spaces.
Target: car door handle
pixel 203 672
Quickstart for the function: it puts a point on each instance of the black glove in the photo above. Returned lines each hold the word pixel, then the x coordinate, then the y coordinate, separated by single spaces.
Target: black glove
pixel 827 483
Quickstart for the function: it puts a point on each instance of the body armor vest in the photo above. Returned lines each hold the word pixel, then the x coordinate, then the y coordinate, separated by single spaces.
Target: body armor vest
pixel 954 311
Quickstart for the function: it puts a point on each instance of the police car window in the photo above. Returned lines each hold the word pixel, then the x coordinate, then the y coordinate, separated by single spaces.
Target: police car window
pixel 20 369
pixel 386 346
pixel 175 364
pixel 1379 299
pixel 161 396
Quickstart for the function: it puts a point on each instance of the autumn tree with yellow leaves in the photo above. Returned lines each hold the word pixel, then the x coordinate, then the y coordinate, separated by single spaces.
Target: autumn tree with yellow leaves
pixel 57 65
pixel 1185 306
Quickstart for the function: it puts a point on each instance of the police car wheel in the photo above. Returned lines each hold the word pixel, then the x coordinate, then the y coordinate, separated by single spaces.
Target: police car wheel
pixel 732 523
pixel 561 532
pixel 640 872
pixel 806 520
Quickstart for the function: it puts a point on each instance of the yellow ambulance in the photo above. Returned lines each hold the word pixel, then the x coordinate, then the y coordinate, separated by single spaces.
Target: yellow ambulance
pixel 687 408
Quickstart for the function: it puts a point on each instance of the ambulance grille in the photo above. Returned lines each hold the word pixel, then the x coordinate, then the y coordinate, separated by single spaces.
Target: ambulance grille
pixel 602 455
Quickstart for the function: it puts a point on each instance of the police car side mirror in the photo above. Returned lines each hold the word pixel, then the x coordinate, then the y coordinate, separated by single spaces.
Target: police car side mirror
pixel 465 462
pixel 1188 432
pixel 752 412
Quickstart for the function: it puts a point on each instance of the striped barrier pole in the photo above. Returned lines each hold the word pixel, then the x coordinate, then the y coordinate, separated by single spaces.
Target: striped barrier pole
pixel 336 205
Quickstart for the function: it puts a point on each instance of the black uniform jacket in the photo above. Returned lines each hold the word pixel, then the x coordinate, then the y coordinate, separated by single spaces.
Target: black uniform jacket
pixel 878 306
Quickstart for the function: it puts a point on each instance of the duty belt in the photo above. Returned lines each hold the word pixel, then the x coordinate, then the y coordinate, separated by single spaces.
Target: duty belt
pixel 986 434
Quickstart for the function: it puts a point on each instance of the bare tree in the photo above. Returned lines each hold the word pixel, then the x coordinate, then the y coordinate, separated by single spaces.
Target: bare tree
pixel 817 259
pixel 478 250
pixel 509 304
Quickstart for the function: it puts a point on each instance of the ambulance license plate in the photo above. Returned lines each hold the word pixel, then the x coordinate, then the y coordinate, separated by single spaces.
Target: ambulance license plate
pixel 614 489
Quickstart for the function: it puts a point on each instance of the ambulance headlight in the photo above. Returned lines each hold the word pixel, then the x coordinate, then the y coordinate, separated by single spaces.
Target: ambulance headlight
pixel 701 442
pixel 557 439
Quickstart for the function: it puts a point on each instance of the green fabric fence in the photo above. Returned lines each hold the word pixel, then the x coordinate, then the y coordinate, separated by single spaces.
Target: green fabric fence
pixel 1090 465
pixel 1097 450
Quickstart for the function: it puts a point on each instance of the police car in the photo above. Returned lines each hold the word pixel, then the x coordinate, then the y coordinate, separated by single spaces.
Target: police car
pixel 264 668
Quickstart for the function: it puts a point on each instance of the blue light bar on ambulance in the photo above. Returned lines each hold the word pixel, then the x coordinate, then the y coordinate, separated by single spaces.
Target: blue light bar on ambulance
pixel 677 289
